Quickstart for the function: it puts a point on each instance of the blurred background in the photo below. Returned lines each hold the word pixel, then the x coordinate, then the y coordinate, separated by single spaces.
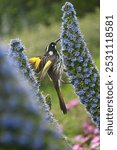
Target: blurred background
pixel 37 23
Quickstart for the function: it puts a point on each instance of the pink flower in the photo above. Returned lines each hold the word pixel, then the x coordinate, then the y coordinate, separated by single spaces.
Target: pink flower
pixel 71 104
pixel 96 131
pixel 81 139
pixel 85 139
pixel 93 146
pixel 95 142
pixel 96 139
pixel 89 128
pixel 78 147
pixel 78 138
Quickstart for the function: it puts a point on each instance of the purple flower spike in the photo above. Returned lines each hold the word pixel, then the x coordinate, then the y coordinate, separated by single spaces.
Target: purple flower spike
pixel 84 71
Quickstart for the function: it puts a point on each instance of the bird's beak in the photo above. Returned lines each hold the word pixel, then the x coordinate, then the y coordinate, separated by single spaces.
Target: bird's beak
pixel 45 69
pixel 57 41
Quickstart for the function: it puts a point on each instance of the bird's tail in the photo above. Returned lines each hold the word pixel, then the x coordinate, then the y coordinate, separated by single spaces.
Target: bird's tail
pixel 61 100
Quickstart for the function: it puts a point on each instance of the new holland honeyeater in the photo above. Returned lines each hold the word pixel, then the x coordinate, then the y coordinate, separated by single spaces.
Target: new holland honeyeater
pixel 51 63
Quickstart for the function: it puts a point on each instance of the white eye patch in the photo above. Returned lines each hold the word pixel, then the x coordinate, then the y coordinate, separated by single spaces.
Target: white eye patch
pixel 50 53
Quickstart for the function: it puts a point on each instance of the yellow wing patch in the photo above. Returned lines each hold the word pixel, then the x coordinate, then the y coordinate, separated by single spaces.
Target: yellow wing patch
pixel 45 69
pixel 35 61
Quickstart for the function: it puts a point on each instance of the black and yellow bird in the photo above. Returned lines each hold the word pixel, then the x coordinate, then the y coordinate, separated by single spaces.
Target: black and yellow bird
pixel 51 63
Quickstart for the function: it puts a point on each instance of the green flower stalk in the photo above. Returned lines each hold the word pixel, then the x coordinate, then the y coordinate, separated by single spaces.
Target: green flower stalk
pixel 22 65
pixel 79 64
pixel 21 125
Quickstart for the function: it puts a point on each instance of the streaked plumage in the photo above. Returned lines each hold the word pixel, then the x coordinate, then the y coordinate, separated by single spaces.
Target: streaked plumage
pixel 51 63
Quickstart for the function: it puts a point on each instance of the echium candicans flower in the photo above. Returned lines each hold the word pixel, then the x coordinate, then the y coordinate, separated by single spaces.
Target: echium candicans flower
pixel 21 63
pixel 79 64
pixel 21 125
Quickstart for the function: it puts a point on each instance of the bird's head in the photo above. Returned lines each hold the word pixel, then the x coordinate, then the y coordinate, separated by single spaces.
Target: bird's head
pixel 51 55
pixel 51 49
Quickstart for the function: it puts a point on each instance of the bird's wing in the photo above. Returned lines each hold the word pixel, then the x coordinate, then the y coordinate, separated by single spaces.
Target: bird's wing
pixel 35 62
pixel 45 69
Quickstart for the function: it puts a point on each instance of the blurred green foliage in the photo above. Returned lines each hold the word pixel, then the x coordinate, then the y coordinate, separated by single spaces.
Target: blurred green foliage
pixel 38 37
pixel 15 14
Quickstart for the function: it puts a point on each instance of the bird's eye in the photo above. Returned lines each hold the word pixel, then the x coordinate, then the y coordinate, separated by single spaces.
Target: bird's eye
pixel 52 45
pixel 50 53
